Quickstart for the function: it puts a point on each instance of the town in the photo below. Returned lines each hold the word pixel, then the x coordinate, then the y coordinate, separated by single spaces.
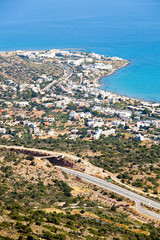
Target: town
pixel 58 127
pixel 68 100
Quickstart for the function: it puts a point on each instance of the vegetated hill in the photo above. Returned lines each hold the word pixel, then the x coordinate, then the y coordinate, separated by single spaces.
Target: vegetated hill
pixel 135 164
pixel 23 70
pixel 38 201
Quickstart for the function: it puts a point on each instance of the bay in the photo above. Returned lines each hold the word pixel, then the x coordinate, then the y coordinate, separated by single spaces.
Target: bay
pixel 125 28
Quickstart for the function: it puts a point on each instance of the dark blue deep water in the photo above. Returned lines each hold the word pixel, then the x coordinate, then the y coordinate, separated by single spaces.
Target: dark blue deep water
pixel 124 28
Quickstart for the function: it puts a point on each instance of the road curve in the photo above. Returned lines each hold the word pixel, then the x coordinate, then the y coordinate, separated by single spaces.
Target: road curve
pixel 119 190
pixel 67 74
pixel 99 182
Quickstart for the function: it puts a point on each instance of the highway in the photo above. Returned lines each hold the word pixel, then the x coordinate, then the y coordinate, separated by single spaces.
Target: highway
pixel 97 181
pixel 119 190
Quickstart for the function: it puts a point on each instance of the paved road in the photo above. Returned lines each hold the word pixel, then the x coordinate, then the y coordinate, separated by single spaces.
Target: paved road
pixel 119 190
pixel 67 74
pixel 107 185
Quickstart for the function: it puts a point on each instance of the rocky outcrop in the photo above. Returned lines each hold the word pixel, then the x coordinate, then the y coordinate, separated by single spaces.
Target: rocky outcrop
pixel 56 160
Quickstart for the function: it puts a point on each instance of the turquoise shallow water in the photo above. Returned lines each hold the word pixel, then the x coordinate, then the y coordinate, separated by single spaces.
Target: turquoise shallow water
pixel 128 29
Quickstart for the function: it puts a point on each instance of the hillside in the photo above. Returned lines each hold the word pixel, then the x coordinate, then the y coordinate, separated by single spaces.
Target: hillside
pixel 38 201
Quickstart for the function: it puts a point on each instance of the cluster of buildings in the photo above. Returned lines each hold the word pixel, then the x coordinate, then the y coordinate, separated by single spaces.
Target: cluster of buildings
pixel 99 111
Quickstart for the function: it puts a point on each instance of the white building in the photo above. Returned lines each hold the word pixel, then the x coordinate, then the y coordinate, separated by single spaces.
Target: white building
pixel 96 122
pixel 51 132
pixel 23 104
pixel 103 66
pixel 49 119
pixel 109 132
pixel 97 134
pixel 2 130
pixel 76 62
pixel 139 137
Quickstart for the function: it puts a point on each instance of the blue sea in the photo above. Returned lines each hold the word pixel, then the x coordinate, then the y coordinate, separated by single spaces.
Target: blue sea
pixel 126 28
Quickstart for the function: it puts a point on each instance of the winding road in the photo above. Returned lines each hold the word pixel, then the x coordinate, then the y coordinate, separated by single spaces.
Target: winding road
pixel 97 181
pixel 119 190
pixel 67 74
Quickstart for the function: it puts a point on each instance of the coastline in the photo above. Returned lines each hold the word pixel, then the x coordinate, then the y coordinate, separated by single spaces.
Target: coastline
pixel 99 82
pixel 96 80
